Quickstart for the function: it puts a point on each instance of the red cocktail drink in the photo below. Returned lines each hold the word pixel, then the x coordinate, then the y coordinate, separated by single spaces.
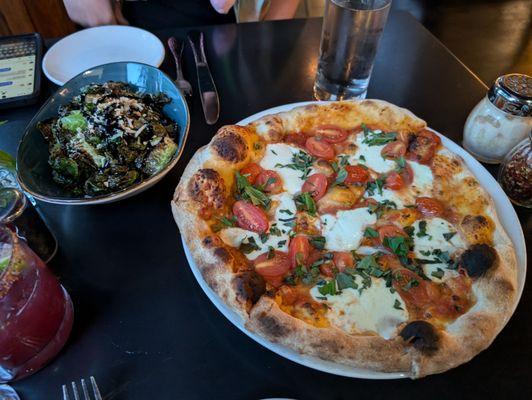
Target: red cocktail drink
pixel 36 313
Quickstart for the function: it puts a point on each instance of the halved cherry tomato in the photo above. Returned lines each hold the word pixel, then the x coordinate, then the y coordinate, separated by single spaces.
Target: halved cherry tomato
pixel 430 207
pixel 422 146
pixel 298 251
pixel 390 231
pixel 356 174
pixel 319 148
pixel 343 260
pixel 316 185
pixel 331 133
pixel 327 270
pixel 250 217
pixel 394 181
pixel 394 149
pixel 270 181
pixel 251 172
pixel 430 135
pixel 296 138
pixel 272 269
pixel 408 174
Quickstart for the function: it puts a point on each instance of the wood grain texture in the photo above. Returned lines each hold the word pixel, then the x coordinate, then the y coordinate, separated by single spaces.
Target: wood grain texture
pixel 48 17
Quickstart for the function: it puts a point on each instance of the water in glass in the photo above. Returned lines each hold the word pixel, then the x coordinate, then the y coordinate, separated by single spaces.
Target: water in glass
pixel 350 36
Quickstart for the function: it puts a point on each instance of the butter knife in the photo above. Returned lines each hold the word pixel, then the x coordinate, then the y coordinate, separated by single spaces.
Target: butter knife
pixel 206 86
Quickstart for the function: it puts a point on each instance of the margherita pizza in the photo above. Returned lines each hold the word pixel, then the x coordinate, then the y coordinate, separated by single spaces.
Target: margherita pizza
pixel 348 232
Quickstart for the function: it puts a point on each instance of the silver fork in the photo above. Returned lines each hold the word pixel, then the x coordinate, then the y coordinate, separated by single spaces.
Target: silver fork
pixel 176 47
pixel 84 390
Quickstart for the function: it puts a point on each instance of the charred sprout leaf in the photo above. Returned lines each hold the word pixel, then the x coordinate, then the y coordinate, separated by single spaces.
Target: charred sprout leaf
pixel 108 137
pixel 66 167
pixel 74 121
pixel 6 161
pixel 160 156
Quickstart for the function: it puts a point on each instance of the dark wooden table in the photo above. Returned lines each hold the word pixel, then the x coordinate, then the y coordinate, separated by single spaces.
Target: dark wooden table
pixel 143 326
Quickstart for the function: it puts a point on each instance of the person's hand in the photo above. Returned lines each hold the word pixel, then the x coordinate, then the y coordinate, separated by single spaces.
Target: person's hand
pixel 95 12
pixel 222 6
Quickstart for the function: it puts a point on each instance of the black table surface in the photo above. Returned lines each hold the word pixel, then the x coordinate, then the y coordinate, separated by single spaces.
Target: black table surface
pixel 143 326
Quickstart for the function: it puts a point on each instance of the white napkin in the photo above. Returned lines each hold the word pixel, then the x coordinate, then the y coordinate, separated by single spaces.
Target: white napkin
pixel 222 6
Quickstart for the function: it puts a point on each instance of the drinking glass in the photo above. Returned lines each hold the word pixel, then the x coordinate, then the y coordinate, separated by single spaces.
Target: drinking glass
pixel 349 39
pixel 20 212
pixel 36 312
pixel 251 10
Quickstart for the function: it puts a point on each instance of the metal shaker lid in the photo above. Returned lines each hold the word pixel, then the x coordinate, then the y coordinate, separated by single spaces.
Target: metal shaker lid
pixel 512 93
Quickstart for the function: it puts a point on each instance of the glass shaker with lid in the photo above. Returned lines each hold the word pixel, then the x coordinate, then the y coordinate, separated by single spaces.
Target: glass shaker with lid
pixel 515 174
pixel 500 120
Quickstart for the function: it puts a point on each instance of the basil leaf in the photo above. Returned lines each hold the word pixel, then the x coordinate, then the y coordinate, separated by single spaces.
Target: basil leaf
pixel 305 202
pixel 328 288
pixel 438 273
pixel 318 242
pixel 371 233
pixel 449 235
pixel 397 305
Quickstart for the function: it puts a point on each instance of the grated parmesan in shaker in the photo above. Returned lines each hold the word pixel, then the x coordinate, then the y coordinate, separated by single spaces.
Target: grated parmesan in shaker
pixel 501 119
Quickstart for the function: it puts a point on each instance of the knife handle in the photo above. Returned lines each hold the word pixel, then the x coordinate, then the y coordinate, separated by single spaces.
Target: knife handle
pixel 196 40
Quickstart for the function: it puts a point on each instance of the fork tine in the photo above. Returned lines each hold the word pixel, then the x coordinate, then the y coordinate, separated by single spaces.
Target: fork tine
pixel 97 395
pixel 84 389
pixel 75 390
pixel 65 393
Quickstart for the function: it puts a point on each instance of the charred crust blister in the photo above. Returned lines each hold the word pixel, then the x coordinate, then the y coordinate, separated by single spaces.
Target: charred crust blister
pixel 223 254
pixel 422 335
pixel 271 326
pixel 250 286
pixel 230 146
pixel 478 259
pixel 207 187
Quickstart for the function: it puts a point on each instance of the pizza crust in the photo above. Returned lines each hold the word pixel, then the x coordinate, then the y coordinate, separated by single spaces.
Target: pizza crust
pixel 496 291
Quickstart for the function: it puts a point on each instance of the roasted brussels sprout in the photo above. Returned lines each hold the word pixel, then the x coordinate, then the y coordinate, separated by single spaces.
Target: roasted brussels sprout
pixel 109 137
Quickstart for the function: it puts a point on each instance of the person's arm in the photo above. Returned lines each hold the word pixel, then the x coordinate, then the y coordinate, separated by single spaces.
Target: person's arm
pixel 282 9
pixel 95 12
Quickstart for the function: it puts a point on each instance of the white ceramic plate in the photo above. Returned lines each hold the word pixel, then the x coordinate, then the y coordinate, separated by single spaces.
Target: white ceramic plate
pixel 506 214
pixel 97 46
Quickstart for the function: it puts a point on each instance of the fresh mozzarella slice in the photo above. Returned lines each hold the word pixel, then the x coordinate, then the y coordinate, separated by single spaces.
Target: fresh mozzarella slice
pixel 367 251
pixel 344 231
pixel 285 211
pixel 434 239
pixel 423 180
pixel 375 309
pixel 278 154
pixel 371 156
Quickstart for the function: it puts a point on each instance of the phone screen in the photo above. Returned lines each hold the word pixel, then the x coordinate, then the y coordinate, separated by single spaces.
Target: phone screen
pixel 17 67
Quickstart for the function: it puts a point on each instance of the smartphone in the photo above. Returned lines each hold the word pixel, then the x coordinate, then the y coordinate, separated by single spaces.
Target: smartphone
pixel 20 69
